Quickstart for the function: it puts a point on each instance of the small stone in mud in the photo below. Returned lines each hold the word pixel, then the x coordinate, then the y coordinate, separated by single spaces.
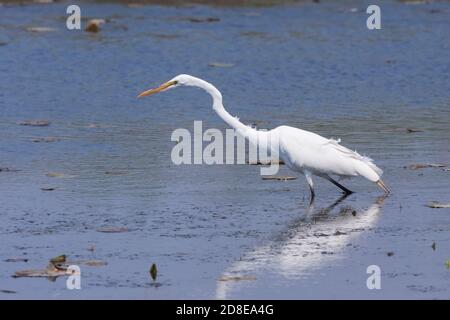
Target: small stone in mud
pixel 280 178
pixel 16 260
pixel 46 139
pixel 48 188
pixel 390 254
pixel 35 123
pixel 153 272
pixel 437 205
pixel 93 25
pixel 112 229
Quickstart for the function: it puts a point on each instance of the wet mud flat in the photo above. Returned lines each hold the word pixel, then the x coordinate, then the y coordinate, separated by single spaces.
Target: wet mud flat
pixel 85 169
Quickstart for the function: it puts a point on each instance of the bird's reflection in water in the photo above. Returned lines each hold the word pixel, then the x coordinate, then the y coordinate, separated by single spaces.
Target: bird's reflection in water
pixel 316 239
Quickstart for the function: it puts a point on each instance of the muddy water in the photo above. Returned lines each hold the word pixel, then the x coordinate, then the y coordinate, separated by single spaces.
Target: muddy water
pixel 220 231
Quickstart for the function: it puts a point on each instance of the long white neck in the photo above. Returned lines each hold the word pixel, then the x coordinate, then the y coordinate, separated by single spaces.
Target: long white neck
pixel 233 122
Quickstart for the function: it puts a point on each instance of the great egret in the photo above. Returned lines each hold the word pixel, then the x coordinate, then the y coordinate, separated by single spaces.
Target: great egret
pixel 302 151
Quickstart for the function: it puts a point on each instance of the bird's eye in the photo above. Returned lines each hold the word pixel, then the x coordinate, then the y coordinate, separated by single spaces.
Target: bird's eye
pixel 175 82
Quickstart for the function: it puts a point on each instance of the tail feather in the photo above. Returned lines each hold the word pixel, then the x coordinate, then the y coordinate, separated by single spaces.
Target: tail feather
pixel 372 165
pixel 355 155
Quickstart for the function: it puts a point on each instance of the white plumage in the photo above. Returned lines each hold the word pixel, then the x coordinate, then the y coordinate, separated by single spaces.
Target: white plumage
pixel 302 151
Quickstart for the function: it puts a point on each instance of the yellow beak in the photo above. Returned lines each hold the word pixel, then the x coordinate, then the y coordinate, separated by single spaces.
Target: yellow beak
pixel 162 87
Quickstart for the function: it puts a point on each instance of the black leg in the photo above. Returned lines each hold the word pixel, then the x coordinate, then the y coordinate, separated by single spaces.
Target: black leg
pixel 308 177
pixel 337 184
pixel 312 195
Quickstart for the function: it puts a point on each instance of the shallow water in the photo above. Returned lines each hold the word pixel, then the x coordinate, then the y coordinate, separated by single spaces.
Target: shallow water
pixel 312 66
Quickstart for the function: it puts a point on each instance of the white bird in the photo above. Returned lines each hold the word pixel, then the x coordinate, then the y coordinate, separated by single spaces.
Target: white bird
pixel 302 151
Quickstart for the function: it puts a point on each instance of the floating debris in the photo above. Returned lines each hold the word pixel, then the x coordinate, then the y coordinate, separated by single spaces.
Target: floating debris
pixel 6 169
pixel 40 29
pixel 195 19
pixel 237 278
pixel 416 166
pixel 46 139
pixel 437 205
pixel 50 272
pixel 433 246
pixel 266 162
pixel 7 291
pixel 35 123
pixel 203 20
pixel 447 264
pixel 16 260
pixel 90 263
pixel 59 259
pixel 112 229
pixel 390 254
pixel 412 130
pixel 280 178
pixel 153 272
pixel 48 188
pixel 93 25
pixel 115 173
pixel 220 65
pixel 58 175
pixel 58 266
